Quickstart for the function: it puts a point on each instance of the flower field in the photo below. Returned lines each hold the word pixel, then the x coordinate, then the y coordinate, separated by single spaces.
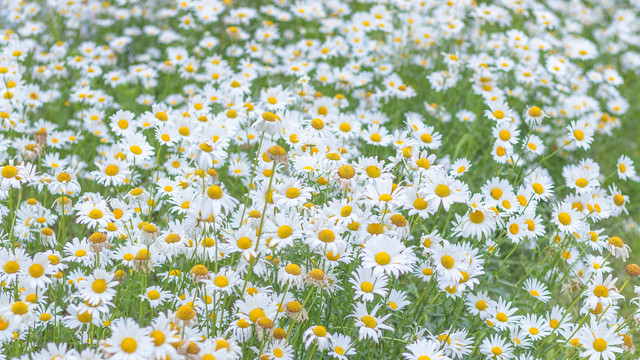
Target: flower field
pixel 304 179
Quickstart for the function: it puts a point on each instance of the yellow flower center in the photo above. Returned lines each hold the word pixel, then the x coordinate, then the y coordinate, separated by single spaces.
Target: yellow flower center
pixel 221 281
pixel 447 261
pixel 535 111
pixel 11 267
pixel 599 345
pixel 382 258
pixel 158 337
pixel 99 286
pixel 476 217
pixel 111 170
pixel 129 345
pixel 564 218
pixel 601 291
pixel 136 149
pixel 369 321
pixel 244 243
pixel 320 331
pixel 442 190
pixel 214 192
pixel 326 236
pixel 502 317
pixel 19 308
pixel 537 187
pixel 292 193
pixel 36 270
pixel 95 214
pixel 9 172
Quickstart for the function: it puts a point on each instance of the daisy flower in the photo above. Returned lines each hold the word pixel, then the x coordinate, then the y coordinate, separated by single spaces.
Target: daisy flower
pixel 319 335
pixel 479 221
pixel 14 175
pixel 495 347
pixel 534 115
pixel 537 289
pixel 581 133
pixel 387 255
pixel 39 271
pixel 94 213
pixel 601 291
pixel 164 336
pixel 366 284
pixel 626 169
pixel 112 172
pixel 479 304
pixel 444 190
pixel 281 350
pixel 128 341
pixel 499 110
pixel 449 261
pixel 503 316
pixel 535 325
pixel 216 200
pixel 600 341
pixel 567 219
pixel 268 123
pixel 156 296
pixel 370 325
pixel 541 184
pixel 424 349
pixel 341 347
pixel 98 287
pixel 397 300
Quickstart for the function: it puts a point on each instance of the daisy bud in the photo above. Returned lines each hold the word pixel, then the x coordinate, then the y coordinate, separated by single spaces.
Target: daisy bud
pixel 149 233
pixel 346 172
pixel 234 32
pixel 597 310
pixel 618 248
pixel 41 136
pixel 120 275
pixel 190 347
pixel 265 323
pixel 99 241
pixel 48 236
pixel 627 343
pixel 317 277
pixel 279 334
pixel 278 154
pixel 399 220
pixel 186 314
pixel 30 151
pixel 295 311
pixel 142 261
pixel 633 270
pixel 270 117
pixel 213 173
pixel 199 272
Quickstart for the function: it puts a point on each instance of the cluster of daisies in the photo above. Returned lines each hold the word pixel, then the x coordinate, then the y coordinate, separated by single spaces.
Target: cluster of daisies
pixel 416 180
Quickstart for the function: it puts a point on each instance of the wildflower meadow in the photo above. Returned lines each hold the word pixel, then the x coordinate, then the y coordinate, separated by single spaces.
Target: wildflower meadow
pixel 319 179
